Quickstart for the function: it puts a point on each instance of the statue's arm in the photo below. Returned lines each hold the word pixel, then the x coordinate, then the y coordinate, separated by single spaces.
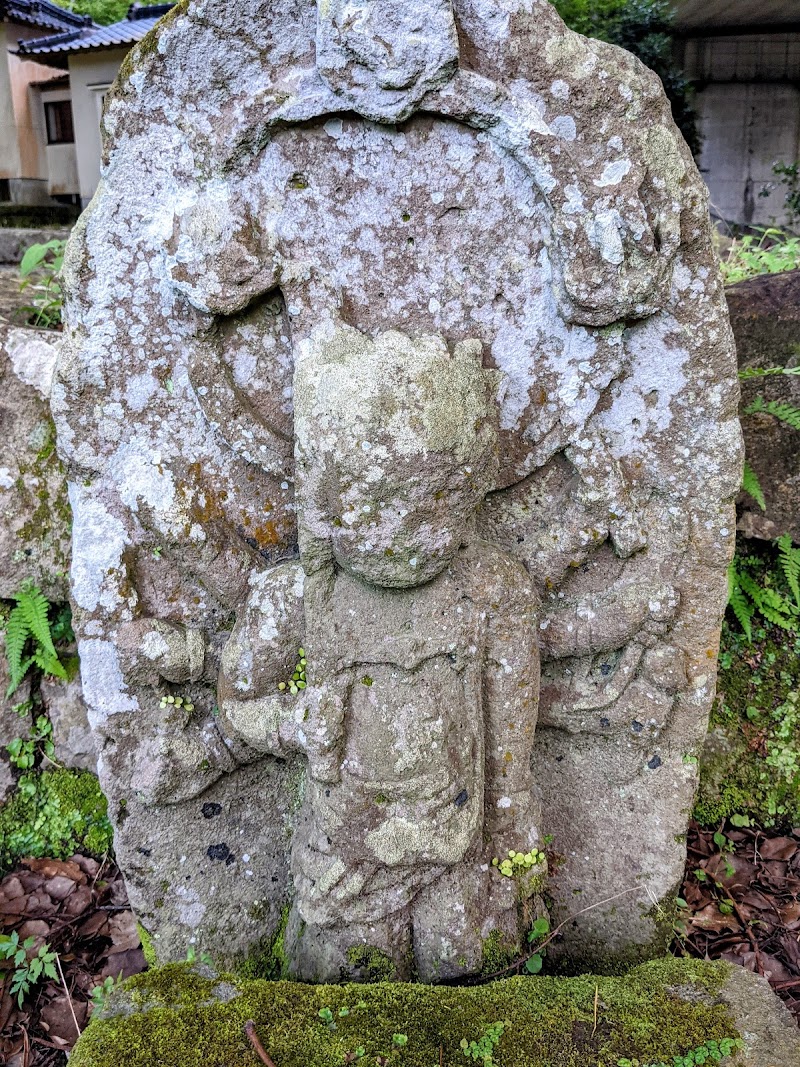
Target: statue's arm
pixel 258 700
pixel 511 698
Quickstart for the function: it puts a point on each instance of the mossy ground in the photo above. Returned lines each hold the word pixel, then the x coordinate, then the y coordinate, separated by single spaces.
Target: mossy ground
pixel 752 762
pixel 54 813
pixel 174 1017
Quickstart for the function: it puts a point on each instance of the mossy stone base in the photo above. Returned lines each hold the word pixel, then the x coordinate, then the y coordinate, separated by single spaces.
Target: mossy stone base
pixel 179 1016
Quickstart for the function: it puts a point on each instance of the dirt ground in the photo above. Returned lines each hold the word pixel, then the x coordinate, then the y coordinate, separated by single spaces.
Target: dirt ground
pixel 10 297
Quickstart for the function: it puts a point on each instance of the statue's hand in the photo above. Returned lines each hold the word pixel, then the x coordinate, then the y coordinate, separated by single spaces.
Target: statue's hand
pixel 153 649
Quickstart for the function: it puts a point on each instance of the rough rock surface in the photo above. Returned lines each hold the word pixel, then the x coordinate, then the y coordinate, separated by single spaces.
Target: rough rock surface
pixel 765 316
pixel 35 526
pixel 72 736
pixel 317 242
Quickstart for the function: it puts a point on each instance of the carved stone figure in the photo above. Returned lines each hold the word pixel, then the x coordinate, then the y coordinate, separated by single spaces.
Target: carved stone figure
pixel 395 336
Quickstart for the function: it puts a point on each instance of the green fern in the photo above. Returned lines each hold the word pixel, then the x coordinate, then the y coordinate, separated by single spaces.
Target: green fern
pixel 748 597
pixel 787 413
pixel 789 557
pixel 29 642
pixel 742 608
pixel 752 486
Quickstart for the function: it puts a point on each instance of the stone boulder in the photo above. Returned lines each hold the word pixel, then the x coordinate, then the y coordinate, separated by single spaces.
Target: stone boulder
pixel 765 316
pixel 35 529
pixel 399 401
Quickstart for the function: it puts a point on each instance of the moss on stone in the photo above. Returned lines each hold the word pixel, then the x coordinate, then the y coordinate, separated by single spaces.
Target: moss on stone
pixel 751 763
pixel 148 950
pixel 267 960
pixel 176 1017
pixel 370 964
pixel 54 813
pixel 498 953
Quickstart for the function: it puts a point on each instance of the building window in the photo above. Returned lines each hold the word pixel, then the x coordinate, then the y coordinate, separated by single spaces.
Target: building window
pixel 58 117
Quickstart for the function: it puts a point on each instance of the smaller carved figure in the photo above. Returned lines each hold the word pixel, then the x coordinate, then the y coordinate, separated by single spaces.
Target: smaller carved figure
pixel 418 707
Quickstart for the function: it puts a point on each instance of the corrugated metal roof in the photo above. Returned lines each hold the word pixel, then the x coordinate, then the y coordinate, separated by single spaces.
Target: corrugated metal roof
pixel 140 20
pixel 42 13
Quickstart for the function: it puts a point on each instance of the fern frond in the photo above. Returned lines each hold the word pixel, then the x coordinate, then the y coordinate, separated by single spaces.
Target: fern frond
pixel 790 565
pixel 751 588
pixel 35 606
pixel 741 607
pixel 752 486
pixel 17 633
pixel 787 413
pixel 48 664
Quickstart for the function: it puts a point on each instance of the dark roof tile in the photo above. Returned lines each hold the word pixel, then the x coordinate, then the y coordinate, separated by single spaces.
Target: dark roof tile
pixel 140 20
pixel 42 13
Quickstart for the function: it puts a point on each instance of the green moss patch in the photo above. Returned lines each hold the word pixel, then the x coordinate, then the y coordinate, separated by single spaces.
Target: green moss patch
pixel 54 813
pixel 175 1017
pixel 751 765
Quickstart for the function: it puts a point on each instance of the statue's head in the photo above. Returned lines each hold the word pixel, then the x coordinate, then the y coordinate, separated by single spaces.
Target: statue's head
pixel 383 56
pixel 396 447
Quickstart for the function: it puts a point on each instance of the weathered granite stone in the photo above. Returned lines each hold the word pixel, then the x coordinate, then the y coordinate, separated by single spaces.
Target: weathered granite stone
pixel 66 709
pixel 35 527
pixel 397 374
pixel 765 316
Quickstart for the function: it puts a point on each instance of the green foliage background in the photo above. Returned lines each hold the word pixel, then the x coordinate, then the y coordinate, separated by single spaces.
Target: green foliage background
pixel 103 11
pixel 646 28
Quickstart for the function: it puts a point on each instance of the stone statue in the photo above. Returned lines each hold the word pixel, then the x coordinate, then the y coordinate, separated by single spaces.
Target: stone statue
pixel 419 716
pixel 399 403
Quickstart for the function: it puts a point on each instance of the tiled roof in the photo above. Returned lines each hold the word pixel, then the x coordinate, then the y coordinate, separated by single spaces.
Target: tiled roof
pixel 42 13
pixel 140 20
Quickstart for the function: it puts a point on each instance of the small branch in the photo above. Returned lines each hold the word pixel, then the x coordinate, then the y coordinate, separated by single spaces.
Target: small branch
pixel 596 998
pixel 252 1036
pixel 543 944
pixel 69 998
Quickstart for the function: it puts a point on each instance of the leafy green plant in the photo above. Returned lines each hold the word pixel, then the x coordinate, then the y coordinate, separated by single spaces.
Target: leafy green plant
pixel 709 1052
pixel 23 752
pixel 774 594
pixel 518 862
pixel 483 1050
pixel 539 930
pixel 28 969
pixel 40 271
pixel 100 993
pixel 29 641
pixel 54 813
pixel 767 250
pixel 298 679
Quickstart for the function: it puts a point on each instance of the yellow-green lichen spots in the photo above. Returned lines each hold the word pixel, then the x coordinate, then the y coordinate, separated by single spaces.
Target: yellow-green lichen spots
pixel 170 1017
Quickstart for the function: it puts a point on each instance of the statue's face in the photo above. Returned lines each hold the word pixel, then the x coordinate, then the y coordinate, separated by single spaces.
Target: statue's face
pixel 383 56
pixel 396 448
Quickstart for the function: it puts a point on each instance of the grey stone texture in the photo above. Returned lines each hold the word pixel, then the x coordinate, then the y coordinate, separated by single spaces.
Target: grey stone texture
pixel 395 336
pixel 35 527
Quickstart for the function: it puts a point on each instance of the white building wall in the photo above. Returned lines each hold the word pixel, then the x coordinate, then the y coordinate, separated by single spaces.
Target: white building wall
pixel 748 105
pixel 746 127
pixel 60 160
pixel 90 75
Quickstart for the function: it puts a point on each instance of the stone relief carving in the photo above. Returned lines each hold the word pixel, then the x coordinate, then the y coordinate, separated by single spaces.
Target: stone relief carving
pixel 421 365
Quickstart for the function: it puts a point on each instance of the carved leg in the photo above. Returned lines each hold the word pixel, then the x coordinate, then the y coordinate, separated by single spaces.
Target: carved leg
pixel 448 921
